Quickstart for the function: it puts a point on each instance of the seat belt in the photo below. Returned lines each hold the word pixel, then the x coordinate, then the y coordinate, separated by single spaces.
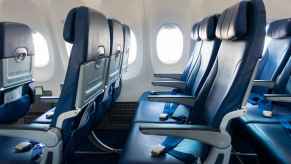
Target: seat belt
pixel 168 146
pixel 169 109
pixel 265 107
pixel 255 98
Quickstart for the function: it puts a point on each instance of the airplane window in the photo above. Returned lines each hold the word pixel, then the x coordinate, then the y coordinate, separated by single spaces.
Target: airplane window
pixel 132 48
pixel 68 48
pixel 169 43
pixel 41 58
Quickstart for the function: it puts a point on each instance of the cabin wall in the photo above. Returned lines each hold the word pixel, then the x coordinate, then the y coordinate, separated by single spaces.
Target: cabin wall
pixel 144 17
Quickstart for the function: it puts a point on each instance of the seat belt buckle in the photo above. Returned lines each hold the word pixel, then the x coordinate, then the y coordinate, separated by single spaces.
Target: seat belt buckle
pixel 163 116
pixel 158 151
pixel 267 113
pixel 23 147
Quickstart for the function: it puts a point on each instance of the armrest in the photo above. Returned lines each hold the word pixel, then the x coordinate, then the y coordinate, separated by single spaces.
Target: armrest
pixel 178 99
pixel 158 92
pixel 170 83
pixel 38 132
pixel 264 83
pixel 49 99
pixel 278 97
pixel 204 134
pixel 176 76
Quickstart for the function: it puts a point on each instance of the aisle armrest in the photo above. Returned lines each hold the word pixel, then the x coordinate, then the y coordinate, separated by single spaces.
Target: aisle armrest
pixel 37 132
pixel 176 76
pixel 278 97
pixel 170 83
pixel 204 134
pixel 264 83
pixel 178 99
pixel 49 99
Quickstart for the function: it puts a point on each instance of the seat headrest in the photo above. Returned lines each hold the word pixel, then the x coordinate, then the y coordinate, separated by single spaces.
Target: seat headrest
pixel 116 37
pixel 69 26
pixel 195 32
pixel 232 24
pixel 15 40
pixel 207 28
pixel 89 27
pixel 126 36
pixel 280 29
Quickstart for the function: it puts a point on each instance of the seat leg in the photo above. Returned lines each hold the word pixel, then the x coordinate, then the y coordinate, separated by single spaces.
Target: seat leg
pixel 221 156
pixel 102 146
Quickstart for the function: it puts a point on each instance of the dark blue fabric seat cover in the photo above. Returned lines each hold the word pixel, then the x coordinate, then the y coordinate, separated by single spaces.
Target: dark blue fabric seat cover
pixel 205 55
pixel 242 29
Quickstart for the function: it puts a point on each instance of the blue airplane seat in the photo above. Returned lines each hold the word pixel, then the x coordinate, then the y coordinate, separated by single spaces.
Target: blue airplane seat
pixel 149 111
pixel 76 111
pixel 16 94
pixel 242 30
pixel 185 76
pixel 271 134
pixel 114 64
pixel 124 61
pixel 275 67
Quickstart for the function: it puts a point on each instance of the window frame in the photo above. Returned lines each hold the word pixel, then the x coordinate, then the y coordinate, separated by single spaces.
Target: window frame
pixel 179 30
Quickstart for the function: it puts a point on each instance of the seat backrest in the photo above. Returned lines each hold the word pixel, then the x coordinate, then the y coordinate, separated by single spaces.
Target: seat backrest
pixel 277 52
pixel 16 54
pixel 88 31
pixel 196 46
pixel 242 30
pixel 16 46
pixel 126 38
pixel 205 56
pixel 116 52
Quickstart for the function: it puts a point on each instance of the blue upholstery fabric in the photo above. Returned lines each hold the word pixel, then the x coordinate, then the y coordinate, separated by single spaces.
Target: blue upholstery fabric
pixel 139 146
pixel 224 88
pixel 230 28
pixel 254 115
pixel 272 140
pixel 204 57
pixel 13 36
pixel 275 58
pixel 8 154
pixel 87 29
pixel 76 30
pixel 150 111
pixel 15 110
pixel 237 59
pixel 277 67
pixel 207 28
pixel 195 32
pixel 280 29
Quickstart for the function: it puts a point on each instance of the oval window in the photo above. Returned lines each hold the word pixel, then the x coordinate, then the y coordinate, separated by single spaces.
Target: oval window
pixel 132 48
pixel 169 44
pixel 41 58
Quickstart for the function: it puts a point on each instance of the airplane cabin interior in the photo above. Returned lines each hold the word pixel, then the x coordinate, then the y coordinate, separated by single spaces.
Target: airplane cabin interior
pixel 145 81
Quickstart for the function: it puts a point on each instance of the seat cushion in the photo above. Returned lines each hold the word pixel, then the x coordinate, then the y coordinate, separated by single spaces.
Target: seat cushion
pixel 274 140
pixel 254 115
pixel 8 154
pixel 43 118
pixel 139 146
pixel 149 111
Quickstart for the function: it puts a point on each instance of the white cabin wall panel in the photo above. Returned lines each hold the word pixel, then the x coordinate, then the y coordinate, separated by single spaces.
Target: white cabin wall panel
pixel 277 9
